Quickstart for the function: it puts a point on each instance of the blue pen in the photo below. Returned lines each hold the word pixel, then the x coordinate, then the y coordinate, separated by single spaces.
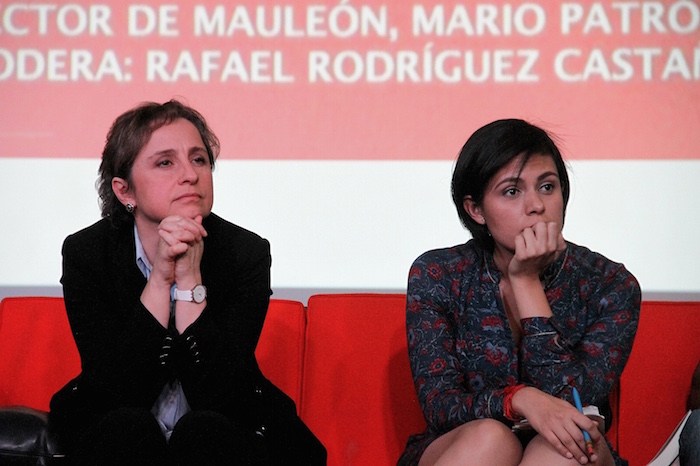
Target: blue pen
pixel 586 437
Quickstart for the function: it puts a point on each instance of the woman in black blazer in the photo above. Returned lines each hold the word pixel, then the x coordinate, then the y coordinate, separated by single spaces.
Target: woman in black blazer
pixel 166 302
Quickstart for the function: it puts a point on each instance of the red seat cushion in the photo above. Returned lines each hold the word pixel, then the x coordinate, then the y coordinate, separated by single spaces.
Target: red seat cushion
pixel 39 355
pixel 280 350
pixel 655 384
pixel 358 393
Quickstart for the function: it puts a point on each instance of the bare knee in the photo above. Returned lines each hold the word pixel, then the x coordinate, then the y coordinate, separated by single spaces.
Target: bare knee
pixel 540 451
pixel 483 441
pixel 487 435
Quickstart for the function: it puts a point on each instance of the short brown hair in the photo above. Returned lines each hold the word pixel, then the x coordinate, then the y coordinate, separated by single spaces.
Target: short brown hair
pixel 129 133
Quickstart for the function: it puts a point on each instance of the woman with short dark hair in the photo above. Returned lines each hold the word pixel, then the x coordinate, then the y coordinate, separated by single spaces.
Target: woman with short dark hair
pixel 503 328
pixel 166 302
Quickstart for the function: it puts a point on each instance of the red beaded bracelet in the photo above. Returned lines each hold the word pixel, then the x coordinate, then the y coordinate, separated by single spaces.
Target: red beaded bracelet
pixel 508 412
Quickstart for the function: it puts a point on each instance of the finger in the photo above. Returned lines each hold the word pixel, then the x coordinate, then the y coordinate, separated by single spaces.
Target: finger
pixel 553 236
pixel 590 426
pixel 541 231
pixel 554 440
pixel 186 236
pixel 168 237
pixel 195 227
pixel 198 220
pixel 173 246
pixel 184 229
pixel 543 245
pixel 178 249
pixel 520 246
pixel 574 443
pixel 584 422
pixel 529 248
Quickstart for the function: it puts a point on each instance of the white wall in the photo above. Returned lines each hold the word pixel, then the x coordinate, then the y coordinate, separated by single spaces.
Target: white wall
pixel 358 225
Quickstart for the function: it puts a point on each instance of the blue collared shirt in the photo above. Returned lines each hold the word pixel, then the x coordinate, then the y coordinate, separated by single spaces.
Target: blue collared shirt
pixel 172 404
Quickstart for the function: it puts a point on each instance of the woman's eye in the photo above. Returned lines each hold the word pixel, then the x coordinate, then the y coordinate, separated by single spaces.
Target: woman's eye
pixel 200 160
pixel 510 191
pixel 164 163
pixel 547 187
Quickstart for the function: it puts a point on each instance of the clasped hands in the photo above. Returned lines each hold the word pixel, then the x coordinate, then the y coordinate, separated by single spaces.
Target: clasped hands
pixel 180 250
pixel 177 260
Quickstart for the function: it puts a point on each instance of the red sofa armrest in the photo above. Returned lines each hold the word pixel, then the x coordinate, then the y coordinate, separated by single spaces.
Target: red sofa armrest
pixel 39 355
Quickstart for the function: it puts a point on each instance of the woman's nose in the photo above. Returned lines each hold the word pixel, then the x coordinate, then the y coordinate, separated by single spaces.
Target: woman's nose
pixel 534 204
pixel 189 173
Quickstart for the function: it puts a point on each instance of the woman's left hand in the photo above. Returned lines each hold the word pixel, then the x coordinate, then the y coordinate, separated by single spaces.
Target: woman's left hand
pixel 558 422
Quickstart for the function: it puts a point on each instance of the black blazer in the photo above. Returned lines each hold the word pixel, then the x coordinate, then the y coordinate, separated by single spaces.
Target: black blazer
pixel 127 356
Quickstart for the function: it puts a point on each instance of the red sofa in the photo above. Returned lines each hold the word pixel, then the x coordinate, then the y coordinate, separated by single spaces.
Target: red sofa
pixel 343 360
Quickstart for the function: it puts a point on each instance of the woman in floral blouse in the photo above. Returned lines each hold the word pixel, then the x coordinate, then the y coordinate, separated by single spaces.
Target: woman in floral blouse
pixel 502 328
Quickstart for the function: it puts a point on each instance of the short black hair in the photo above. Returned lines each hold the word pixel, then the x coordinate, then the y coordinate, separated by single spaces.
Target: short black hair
pixel 491 148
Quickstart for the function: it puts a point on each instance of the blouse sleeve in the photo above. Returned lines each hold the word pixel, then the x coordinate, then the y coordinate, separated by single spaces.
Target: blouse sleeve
pixel 438 376
pixel 588 341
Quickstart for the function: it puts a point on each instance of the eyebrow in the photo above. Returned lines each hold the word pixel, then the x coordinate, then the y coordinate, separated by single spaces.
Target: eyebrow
pixel 162 152
pixel 516 179
pixel 192 150
pixel 197 149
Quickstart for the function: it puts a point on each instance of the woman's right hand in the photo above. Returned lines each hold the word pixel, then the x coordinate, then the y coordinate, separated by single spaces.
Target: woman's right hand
pixel 177 258
pixel 535 249
pixel 180 248
pixel 558 422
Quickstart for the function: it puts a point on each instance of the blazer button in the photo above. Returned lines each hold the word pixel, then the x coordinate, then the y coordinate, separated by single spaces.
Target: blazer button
pixel 261 431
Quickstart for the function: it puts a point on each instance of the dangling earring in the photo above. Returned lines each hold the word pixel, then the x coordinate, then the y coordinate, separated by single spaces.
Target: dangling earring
pixel 130 208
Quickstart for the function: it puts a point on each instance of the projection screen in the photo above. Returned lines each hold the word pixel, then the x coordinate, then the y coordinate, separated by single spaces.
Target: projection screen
pixel 340 122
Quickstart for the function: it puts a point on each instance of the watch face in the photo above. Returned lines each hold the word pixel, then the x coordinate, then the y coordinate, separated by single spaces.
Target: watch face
pixel 199 293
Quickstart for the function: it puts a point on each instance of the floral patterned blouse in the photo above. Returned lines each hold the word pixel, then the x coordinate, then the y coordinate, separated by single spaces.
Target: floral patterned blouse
pixel 463 353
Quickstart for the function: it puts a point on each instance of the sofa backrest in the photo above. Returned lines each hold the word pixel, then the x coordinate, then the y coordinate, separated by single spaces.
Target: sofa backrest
pixel 344 362
pixel 38 355
pixel 38 352
pixel 358 395
pixel 280 350
pixel 655 384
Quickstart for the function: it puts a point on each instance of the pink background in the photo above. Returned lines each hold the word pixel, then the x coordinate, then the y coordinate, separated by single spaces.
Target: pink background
pixel 632 119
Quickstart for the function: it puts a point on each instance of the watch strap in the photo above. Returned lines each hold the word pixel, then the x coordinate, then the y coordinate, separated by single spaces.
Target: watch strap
pixel 183 295
pixel 196 295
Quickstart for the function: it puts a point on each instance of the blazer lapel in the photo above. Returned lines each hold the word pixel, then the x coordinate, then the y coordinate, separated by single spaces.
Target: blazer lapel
pixel 128 277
